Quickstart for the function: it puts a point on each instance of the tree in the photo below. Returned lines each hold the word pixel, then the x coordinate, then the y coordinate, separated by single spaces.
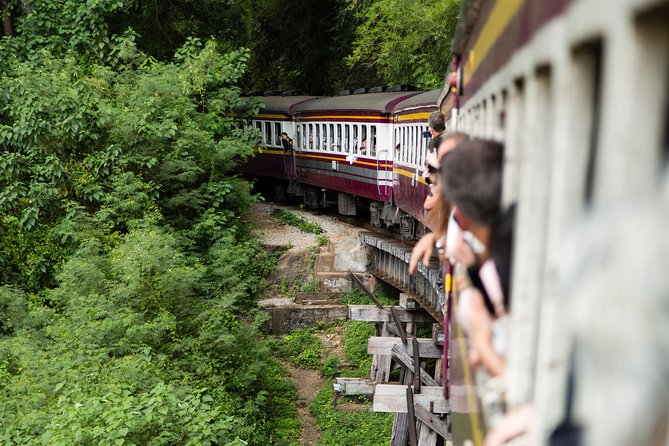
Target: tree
pixel 406 41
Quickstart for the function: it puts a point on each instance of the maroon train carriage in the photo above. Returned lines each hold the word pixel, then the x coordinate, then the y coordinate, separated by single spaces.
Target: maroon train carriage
pixel 271 160
pixel 410 127
pixel 345 144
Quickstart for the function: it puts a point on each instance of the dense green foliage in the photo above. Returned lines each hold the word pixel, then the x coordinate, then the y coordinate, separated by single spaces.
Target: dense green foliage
pixel 301 348
pixel 349 428
pixel 405 41
pixel 318 48
pixel 128 279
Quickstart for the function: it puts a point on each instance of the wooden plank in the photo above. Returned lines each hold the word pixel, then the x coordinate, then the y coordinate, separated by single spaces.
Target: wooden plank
pixel 427 437
pixel 378 345
pixel 355 386
pixel 392 398
pixel 383 369
pixel 405 359
pixel 370 313
pixel 436 424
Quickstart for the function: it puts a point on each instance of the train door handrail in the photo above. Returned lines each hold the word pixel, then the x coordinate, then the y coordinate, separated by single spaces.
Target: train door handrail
pixel 378 188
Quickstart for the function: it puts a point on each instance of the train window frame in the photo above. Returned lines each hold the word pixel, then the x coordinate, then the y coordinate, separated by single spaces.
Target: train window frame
pixel 332 138
pixel 267 136
pixel 355 139
pixel 363 137
pixel 277 133
pixel 311 137
pixel 338 138
pixel 372 140
pixel 347 138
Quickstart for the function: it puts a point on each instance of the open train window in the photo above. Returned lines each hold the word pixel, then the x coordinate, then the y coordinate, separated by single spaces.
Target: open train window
pixel 318 136
pixel 268 133
pixel 311 136
pixel 298 140
pixel 355 138
pixel 363 138
pixel 347 138
pixel 651 94
pixel 372 140
pixel 338 142
pixel 585 99
pixel 277 133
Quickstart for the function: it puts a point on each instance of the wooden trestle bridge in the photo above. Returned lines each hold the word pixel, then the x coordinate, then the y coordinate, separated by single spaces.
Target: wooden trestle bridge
pixel 417 397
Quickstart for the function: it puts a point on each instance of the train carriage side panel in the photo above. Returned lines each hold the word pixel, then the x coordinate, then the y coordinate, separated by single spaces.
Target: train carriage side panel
pixel 330 153
pixel 410 125
pixel 271 159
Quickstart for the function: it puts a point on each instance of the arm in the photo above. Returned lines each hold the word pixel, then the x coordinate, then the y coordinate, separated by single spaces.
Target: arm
pixel 422 251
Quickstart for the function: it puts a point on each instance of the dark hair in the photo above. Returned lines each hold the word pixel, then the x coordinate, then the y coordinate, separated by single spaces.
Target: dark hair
pixel 284 133
pixel 436 121
pixel 501 249
pixel 471 179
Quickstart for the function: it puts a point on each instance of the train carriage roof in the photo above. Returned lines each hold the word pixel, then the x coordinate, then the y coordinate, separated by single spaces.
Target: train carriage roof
pixel 368 103
pixel 283 104
pixel 423 100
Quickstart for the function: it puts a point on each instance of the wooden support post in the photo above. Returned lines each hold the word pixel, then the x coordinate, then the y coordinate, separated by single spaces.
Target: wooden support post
pixel 416 365
pixel 427 437
pixel 413 436
pixel 400 327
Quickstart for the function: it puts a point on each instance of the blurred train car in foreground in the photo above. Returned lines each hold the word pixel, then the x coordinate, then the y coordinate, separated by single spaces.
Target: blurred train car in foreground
pixel 578 91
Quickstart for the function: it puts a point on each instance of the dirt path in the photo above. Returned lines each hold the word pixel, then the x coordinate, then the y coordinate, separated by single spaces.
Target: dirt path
pixel 308 383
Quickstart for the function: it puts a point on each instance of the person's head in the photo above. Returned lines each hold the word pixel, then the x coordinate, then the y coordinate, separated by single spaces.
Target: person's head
pixel 471 180
pixel 284 135
pixel 436 123
pixel 448 142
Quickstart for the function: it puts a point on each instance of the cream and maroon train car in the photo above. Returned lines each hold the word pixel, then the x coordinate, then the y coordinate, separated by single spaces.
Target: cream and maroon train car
pixel 271 159
pixel 345 144
pixel 411 140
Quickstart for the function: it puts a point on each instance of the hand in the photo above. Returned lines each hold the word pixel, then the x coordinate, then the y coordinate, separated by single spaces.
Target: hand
pixel 459 249
pixel 513 424
pixel 422 251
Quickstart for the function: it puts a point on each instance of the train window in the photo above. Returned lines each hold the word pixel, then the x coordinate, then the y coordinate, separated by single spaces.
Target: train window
pixel 412 137
pixel 651 127
pixel 355 138
pixel 372 140
pixel 311 136
pixel 268 133
pixel 332 138
pixel 405 154
pixel 347 138
pixel 297 136
pixel 338 138
pixel 318 136
pixel 363 138
pixel 277 133
pixel 324 143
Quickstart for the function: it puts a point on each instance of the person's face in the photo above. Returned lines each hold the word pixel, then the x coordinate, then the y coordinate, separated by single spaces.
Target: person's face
pixel 433 132
pixel 446 146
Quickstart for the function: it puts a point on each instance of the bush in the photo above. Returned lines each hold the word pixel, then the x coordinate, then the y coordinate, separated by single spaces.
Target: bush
pixel 302 348
pixel 349 428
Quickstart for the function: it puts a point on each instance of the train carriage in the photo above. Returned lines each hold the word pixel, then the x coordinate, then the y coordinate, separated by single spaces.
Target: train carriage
pixel 271 159
pixel 411 140
pixel 345 144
